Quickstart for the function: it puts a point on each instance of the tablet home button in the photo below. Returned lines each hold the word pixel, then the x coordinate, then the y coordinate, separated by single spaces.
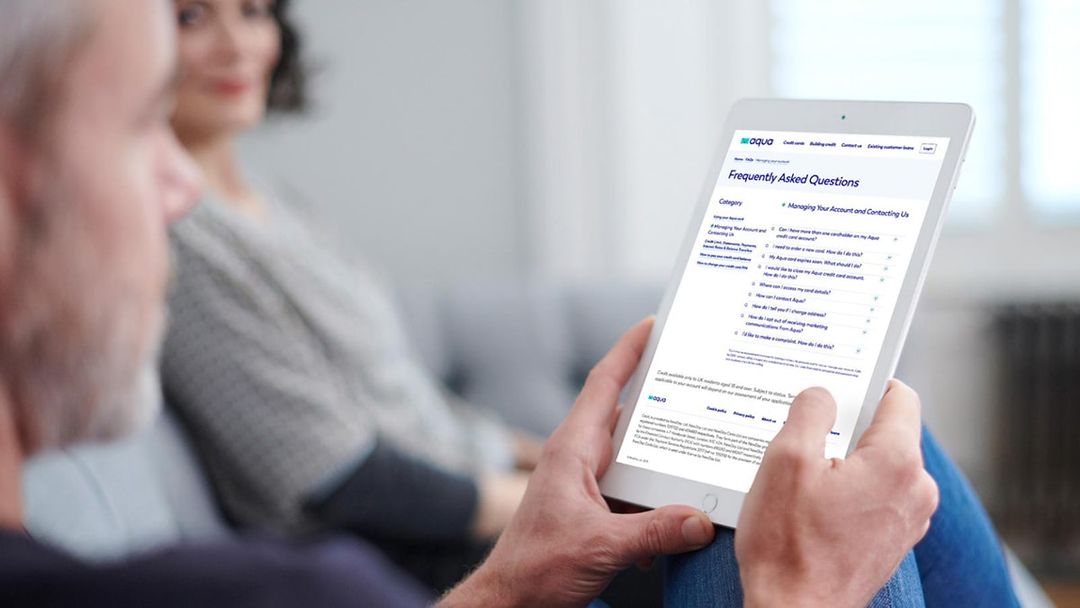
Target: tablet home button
pixel 709 503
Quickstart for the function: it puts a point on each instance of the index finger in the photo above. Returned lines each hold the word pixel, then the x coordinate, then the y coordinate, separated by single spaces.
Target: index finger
pixel 898 419
pixel 810 418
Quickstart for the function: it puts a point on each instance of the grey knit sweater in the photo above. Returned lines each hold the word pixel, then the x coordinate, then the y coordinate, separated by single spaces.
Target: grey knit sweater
pixel 287 362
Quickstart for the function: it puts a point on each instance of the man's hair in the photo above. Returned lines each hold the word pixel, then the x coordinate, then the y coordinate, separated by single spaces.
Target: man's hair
pixel 44 333
pixel 38 41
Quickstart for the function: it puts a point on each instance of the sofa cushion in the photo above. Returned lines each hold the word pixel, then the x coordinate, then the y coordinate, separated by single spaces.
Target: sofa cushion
pixel 521 349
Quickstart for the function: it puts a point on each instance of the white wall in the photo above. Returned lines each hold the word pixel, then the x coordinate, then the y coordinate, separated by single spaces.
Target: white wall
pixel 411 150
pixel 557 138
pixel 622 102
pixel 488 139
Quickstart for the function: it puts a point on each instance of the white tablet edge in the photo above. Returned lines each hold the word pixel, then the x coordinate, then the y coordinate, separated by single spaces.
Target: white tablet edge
pixel 647 488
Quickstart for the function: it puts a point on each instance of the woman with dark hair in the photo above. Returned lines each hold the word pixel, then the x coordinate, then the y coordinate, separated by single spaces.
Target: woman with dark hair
pixel 287 363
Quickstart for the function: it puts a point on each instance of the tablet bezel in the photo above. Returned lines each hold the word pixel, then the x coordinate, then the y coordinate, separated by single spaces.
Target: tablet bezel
pixel 651 489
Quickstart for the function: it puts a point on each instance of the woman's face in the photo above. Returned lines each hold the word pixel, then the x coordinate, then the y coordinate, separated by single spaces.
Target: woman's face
pixel 228 51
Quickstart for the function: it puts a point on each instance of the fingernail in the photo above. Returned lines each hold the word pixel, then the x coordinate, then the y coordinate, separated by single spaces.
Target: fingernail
pixel 696 531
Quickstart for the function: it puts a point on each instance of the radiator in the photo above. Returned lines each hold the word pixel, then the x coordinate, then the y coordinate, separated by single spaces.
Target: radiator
pixel 1038 432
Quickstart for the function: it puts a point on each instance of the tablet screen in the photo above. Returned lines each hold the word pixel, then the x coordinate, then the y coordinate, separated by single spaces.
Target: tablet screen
pixel 792 282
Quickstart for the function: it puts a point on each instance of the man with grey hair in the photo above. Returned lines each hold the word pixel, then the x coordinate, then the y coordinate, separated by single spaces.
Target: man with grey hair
pixel 42 366
pixel 90 175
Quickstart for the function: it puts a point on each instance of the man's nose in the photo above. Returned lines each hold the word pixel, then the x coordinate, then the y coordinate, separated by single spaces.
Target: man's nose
pixel 183 182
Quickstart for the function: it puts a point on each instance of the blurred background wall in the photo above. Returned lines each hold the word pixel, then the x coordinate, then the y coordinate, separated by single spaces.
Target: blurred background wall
pixel 482 139
pixel 567 140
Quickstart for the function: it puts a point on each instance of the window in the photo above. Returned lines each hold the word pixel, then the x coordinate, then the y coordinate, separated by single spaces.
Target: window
pixel 1050 105
pixel 927 50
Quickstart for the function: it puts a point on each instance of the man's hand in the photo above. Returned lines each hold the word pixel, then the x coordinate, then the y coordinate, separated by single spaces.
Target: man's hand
pixel 817 532
pixel 564 545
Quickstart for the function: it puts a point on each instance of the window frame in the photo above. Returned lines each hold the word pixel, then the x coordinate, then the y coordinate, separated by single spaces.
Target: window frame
pixel 1024 253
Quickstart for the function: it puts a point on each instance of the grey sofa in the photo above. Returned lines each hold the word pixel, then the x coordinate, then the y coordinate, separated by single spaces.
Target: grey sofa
pixel 520 349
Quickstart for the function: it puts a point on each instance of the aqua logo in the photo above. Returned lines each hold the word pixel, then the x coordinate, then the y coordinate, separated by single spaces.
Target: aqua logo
pixel 757 141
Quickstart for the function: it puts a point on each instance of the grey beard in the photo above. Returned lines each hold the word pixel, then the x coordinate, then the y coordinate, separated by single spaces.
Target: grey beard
pixel 134 405
pixel 131 411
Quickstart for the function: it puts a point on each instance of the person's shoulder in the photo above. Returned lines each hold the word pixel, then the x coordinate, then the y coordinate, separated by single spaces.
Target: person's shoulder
pixel 20 554
pixel 206 246
pixel 232 573
pixel 32 573
pixel 335 572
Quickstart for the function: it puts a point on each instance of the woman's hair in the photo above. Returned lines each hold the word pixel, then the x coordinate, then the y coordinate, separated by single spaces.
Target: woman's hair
pixel 288 83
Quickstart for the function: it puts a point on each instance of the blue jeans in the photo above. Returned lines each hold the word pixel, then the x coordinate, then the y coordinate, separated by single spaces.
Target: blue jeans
pixel 958 563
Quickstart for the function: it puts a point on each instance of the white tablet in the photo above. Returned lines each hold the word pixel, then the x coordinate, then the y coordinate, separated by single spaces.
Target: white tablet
pixel 802 267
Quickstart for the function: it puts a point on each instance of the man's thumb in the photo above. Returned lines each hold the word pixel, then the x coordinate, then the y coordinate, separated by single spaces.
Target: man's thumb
pixel 663 531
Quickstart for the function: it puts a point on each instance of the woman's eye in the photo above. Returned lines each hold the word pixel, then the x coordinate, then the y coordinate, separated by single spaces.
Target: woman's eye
pixel 258 9
pixel 190 15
